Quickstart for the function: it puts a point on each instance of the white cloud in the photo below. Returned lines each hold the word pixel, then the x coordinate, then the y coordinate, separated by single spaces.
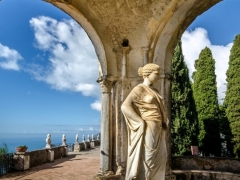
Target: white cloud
pixel 91 129
pixel 96 105
pixel 80 129
pixel 9 58
pixel 193 42
pixel 72 62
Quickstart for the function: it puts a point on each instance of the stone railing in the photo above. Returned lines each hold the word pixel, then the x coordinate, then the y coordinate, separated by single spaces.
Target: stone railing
pixel 26 160
pixel 34 158
pixel 86 143
pixel 195 167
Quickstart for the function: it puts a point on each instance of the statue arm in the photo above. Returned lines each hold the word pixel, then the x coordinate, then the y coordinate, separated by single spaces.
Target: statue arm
pixel 128 110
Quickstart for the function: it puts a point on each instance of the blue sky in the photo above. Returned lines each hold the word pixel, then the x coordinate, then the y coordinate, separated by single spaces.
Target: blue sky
pixel 48 66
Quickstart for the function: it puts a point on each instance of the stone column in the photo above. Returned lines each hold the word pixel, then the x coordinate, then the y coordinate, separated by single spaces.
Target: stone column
pixel 145 55
pixel 106 127
pixel 124 61
pixel 166 94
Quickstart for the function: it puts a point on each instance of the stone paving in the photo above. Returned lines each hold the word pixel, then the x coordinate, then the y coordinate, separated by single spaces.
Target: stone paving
pixel 77 165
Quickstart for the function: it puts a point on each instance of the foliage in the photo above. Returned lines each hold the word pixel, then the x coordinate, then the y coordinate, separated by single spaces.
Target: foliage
pixel 3 148
pixel 205 95
pixel 24 146
pixel 184 118
pixel 225 131
pixel 232 99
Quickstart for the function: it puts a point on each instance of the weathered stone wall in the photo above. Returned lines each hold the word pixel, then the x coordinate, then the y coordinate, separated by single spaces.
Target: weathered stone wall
pixel 209 168
pixel 206 163
pixel 205 175
pixel 59 152
pixel 37 157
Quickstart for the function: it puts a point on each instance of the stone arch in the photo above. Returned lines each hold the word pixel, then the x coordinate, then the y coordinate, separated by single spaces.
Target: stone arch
pixel 163 44
pixel 133 23
pixel 89 29
pixel 168 34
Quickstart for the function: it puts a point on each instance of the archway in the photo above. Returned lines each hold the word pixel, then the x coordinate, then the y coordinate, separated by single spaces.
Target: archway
pixel 37 107
pixel 152 30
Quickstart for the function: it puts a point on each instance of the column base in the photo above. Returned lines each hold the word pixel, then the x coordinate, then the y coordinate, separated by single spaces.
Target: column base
pixel 108 175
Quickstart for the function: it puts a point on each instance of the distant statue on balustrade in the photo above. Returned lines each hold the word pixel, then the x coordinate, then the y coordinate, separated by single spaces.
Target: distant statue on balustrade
pixel 147 121
pixel 48 141
pixel 64 140
pixel 76 138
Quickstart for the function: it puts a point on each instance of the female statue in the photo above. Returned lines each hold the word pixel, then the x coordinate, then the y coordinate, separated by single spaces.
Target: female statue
pixel 146 120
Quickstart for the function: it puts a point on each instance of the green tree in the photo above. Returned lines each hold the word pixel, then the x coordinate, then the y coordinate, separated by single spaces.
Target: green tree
pixel 205 95
pixel 232 99
pixel 184 119
pixel 225 132
pixel 3 148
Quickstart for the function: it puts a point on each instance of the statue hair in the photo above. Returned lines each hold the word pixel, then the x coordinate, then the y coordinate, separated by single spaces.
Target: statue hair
pixel 146 70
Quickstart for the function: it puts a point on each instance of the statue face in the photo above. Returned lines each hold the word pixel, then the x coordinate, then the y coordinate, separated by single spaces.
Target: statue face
pixel 153 77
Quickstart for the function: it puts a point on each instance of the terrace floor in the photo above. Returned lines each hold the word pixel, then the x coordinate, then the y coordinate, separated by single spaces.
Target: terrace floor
pixel 77 165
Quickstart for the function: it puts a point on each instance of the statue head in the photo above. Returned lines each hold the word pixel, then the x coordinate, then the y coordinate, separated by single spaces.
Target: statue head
pixel 146 70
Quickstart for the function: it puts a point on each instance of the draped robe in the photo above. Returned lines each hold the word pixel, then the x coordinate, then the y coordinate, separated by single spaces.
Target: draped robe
pixel 147 154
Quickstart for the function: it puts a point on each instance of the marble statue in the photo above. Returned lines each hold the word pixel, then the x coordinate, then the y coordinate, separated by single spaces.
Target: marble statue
pixel 98 137
pixel 147 121
pixel 48 141
pixel 76 139
pixel 83 138
pixel 88 138
pixel 64 140
pixel 92 137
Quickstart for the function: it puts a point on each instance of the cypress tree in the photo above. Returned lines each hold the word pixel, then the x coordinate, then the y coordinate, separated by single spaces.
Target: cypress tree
pixel 184 118
pixel 225 131
pixel 232 99
pixel 205 95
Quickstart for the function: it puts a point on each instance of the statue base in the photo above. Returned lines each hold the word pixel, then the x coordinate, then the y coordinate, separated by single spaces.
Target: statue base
pixel 107 176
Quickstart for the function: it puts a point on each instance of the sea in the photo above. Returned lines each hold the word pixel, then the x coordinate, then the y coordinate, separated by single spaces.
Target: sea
pixel 36 141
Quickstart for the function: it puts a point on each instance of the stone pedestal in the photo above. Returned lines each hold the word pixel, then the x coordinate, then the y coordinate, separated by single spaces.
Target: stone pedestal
pixel 48 146
pixel 21 161
pixel 86 145
pixel 50 155
pixel 93 143
pixel 77 147
pixel 65 151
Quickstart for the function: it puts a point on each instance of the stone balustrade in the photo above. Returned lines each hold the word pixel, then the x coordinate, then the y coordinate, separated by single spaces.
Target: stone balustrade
pixel 86 143
pixel 26 160
pixel 34 158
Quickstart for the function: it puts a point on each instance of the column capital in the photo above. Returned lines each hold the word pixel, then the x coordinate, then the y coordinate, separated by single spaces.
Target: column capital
pixel 106 83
